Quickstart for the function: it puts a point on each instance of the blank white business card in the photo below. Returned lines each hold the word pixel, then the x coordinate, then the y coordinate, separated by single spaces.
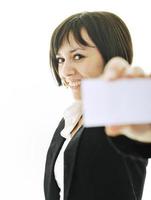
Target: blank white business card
pixel 118 102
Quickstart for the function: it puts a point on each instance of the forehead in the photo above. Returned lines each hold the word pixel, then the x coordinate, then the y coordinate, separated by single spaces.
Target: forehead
pixel 71 42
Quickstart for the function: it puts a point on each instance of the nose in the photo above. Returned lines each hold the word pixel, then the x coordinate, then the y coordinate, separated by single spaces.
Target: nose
pixel 67 69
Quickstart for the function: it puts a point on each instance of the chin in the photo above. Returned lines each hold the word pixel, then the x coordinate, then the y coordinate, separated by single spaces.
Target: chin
pixel 77 96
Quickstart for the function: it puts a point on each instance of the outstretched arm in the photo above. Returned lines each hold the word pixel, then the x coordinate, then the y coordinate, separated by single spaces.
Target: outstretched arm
pixel 118 68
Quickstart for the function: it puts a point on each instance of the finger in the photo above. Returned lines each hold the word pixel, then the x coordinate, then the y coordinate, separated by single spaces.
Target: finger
pixel 148 75
pixel 114 130
pixel 133 72
pixel 140 128
pixel 140 133
pixel 115 68
pixel 136 128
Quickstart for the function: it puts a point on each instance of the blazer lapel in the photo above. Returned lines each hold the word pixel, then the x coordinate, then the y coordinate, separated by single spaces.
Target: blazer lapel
pixel 69 161
pixel 55 146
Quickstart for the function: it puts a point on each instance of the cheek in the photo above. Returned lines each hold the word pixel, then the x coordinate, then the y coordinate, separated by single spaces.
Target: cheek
pixel 84 71
pixel 59 72
pixel 94 71
pixel 99 68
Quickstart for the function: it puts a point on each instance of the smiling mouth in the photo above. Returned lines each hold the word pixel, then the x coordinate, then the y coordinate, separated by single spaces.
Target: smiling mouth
pixel 74 85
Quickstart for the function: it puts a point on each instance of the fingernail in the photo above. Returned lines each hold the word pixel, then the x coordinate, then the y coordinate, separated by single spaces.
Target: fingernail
pixel 135 71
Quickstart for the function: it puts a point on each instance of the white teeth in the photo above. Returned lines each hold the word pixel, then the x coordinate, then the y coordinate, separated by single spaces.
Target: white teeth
pixel 74 84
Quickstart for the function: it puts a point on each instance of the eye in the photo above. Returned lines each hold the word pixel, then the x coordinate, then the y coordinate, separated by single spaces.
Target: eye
pixel 60 60
pixel 78 56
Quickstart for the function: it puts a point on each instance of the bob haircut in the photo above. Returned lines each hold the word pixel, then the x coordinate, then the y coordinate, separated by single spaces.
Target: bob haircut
pixel 108 32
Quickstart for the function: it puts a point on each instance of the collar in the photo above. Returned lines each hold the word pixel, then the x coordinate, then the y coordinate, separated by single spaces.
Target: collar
pixel 71 115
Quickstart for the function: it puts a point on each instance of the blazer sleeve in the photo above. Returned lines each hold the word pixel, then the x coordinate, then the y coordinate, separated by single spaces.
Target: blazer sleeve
pixel 129 147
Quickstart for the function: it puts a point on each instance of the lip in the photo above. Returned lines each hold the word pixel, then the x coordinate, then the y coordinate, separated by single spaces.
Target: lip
pixel 72 80
pixel 74 87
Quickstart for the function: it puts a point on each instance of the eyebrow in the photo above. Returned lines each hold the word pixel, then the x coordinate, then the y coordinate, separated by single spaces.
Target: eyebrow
pixel 78 48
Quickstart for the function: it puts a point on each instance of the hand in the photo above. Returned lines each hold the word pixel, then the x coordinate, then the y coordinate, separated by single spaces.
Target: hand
pixel 141 132
pixel 118 68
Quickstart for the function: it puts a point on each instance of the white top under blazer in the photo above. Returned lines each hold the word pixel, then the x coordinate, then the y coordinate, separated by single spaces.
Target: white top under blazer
pixel 71 115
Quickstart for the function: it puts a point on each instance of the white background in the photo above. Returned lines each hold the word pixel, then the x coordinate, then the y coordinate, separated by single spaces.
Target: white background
pixel 31 105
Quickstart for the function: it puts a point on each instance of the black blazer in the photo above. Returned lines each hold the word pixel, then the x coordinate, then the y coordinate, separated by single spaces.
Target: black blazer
pixel 97 167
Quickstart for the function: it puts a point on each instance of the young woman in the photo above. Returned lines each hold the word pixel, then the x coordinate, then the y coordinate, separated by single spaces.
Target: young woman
pixel 89 163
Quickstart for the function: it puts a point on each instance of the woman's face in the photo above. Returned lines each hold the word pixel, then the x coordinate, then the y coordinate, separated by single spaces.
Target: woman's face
pixel 77 62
